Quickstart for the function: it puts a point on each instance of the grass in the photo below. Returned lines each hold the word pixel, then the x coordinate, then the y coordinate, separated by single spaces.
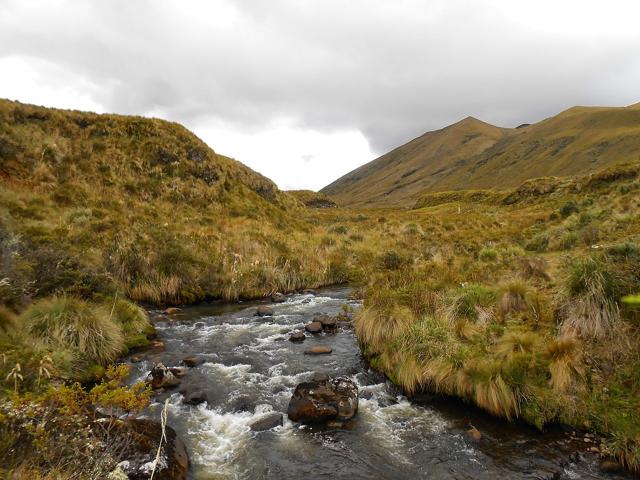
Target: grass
pixel 510 300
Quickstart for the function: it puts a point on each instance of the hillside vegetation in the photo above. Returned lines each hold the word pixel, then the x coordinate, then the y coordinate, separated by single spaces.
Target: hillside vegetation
pixel 510 299
pixel 471 154
pixel 514 301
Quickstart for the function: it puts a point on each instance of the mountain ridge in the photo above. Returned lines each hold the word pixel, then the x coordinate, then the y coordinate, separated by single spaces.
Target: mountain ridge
pixel 472 154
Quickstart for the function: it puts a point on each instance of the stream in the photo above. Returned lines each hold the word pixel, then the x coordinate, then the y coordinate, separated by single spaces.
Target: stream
pixel 251 369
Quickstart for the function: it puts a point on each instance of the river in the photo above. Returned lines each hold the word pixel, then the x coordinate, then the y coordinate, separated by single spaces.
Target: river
pixel 251 369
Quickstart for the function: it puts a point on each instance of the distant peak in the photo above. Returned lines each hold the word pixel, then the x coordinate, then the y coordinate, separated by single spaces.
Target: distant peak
pixel 470 122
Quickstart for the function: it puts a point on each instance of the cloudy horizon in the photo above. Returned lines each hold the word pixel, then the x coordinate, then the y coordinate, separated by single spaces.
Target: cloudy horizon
pixel 304 92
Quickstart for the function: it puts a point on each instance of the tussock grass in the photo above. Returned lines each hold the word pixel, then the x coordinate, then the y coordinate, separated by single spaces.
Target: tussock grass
pixel 72 324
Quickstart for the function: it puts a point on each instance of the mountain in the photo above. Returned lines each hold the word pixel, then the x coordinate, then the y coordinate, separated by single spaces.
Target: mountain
pixel 472 154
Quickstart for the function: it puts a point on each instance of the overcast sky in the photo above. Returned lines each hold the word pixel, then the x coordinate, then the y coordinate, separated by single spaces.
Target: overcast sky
pixel 304 91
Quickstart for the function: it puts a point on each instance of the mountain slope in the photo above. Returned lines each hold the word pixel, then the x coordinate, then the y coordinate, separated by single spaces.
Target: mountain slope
pixel 577 141
pixel 394 178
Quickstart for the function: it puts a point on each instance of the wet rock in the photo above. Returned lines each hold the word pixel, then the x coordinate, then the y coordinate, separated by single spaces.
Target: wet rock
pixel 322 401
pixel 474 434
pixel 157 345
pixel 278 298
pixel 610 466
pixel 313 327
pixel 318 350
pixel 329 324
pixel 309 291
pixel 193 361
pixel 264 311
pixel 179 372
pixel 242 403
pixel 268 422
pixel 161 377
pixel 199 325
pixel 173 311
pixel 136 358
pixel 297 337
pixel 319 377
pixel 140 454
pixel 193 397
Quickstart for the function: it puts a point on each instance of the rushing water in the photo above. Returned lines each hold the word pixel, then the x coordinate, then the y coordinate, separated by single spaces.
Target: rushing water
pixel 251 369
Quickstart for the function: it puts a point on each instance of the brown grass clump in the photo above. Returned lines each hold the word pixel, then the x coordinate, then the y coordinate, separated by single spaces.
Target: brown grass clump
pixel 564 361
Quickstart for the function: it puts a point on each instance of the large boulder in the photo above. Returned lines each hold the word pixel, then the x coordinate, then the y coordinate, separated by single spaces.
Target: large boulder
pixel 162 377
pixel 322 400
pixel 140 454
pixel 264 311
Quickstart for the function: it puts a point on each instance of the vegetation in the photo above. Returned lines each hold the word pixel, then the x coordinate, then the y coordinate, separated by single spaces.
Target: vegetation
pixel 521 301
pixel 541 330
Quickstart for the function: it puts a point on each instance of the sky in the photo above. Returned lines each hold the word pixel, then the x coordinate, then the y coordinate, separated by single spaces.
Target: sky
pixel 304 91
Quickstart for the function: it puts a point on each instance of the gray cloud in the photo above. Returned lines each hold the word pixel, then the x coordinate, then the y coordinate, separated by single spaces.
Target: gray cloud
pixel 390 69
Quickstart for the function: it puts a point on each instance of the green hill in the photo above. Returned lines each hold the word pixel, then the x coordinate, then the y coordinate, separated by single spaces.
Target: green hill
pixel 474 155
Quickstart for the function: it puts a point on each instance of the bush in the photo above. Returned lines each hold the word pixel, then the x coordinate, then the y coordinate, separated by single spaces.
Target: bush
pixel 392 260
pixel 69 323
pixel 467 300
pixel 568 208
pixel 488 254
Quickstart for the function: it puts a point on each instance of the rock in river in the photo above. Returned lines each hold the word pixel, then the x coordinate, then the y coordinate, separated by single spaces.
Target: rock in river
pixel 297 337
pixel 324 400
pixel 161 377
pixel 264 311
pixel 267 423
pixel 318 350
pixel 173 310
pixel 313 327
pixel 278 298
pixel 193 361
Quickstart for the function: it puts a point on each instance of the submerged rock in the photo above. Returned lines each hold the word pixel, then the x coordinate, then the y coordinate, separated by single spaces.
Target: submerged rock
pixel 313 327
pixel 173 310
pixel 193 361
pixel 278 298
pixel 264 311
pixel 268 422
pixel 297 337
pixel 161 377
pixel 318 350
pixel 193 397
pixel 610 466
pixel 323 400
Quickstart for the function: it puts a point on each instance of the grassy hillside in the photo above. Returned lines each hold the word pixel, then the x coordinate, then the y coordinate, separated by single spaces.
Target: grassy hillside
pixel 475 155
pixel 513 301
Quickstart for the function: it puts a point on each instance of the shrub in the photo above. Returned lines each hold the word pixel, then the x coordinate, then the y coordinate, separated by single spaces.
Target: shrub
pixel 591 309
pixel 538 243
pixel 392 260
pixel 488 254
pixel 338 229
pixel 568 208
pixel 70 323
pixel 469 301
